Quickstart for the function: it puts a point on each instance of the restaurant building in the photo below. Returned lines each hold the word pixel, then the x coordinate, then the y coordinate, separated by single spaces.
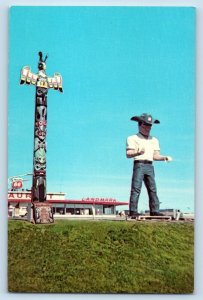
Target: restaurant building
pixel 18 202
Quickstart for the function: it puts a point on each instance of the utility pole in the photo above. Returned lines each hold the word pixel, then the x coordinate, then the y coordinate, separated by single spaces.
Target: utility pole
pixel 42 210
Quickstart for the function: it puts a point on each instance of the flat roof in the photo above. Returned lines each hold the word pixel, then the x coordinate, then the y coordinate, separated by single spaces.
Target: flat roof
pixel 66 201
pixel 25 197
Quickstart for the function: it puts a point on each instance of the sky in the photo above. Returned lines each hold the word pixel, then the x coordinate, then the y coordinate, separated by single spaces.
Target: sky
pixel 116 62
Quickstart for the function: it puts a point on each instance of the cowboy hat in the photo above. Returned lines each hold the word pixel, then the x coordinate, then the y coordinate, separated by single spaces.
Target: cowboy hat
pixel 145 118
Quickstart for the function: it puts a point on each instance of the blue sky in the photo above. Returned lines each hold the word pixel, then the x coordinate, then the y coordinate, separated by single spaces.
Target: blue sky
pixel 116 62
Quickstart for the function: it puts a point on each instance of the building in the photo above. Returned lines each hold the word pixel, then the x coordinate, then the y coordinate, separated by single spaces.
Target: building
pixel 19 200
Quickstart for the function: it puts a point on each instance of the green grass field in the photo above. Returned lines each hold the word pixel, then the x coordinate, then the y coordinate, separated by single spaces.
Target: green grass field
pixel 100 257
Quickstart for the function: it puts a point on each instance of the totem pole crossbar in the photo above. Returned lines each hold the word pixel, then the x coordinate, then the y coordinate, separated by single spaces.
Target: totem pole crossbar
pixel 41 209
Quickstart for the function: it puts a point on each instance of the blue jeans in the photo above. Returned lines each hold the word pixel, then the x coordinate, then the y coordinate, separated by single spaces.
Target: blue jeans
pixel 143 172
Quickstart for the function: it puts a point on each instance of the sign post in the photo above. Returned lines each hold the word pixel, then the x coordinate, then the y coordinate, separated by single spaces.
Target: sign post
pixel 42 210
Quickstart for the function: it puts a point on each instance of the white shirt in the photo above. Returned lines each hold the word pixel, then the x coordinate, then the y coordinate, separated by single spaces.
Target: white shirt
pixel 138 141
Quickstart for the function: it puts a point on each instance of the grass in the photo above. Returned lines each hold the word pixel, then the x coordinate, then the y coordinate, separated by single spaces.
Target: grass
pixel 100 257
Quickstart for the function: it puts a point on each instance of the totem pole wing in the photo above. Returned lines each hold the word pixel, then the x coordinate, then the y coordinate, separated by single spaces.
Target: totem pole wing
pixel 55 82
pixel 27 77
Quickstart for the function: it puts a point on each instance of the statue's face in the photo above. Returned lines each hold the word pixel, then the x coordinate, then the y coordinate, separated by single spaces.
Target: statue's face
pixel 145 129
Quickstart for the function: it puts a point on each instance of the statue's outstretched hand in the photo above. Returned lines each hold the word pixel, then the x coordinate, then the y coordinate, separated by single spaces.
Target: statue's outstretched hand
pixel 168 158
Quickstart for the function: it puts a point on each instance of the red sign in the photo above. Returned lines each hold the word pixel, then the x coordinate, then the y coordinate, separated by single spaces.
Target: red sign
pixel 99 199
pixel 18 195
pixel 18 184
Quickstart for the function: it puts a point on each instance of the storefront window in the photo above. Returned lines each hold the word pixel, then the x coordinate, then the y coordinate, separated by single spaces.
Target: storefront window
pixel 60 210
pixel 70 211
pixel 99 209
pixel 108 210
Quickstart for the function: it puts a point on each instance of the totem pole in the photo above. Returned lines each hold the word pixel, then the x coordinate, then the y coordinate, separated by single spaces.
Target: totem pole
pixel 42 211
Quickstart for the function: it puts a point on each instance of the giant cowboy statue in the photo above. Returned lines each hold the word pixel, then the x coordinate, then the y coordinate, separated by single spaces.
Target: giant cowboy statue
pixel 144 149
pixel 42 211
